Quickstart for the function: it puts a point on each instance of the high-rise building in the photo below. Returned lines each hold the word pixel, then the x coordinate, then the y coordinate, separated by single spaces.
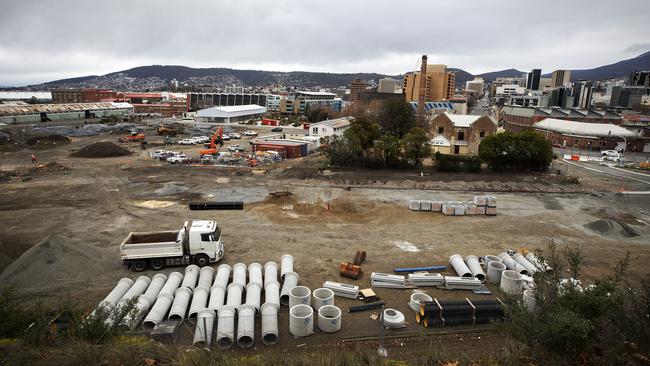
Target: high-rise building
pixel 386 85
pixel 560 78
pixel 640 78
pixel 356 86
pixel 439 83
pixel 475 85
pixel 582 94
pixel 627 97
pixel 533 79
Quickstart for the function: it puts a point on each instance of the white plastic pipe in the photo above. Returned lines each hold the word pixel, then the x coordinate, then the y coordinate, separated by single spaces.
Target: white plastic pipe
pixel 494 271
pixel 191 276
pixel 226 327
pixel 329 319
pixel 525 263
pixel 255 274
pixel 217 297
pixel 321 297
pixel 123 285
pixel 511 264
pixel 204 326
pixel 253 295
pixel 269 323
pixel 459 266
pixel 511 282
pixel 223 276
pixel 272 293
pixel 290 281
pixel 475 267
pixel 138 288
pixel 173 282
pixel 206 275
pixel 239 274
pixel 246 326
pixel 529 301
pixel 234 296
pixel 299 295
pixel 157 282
pixel 181 301
pixel 270 272
pixel 286 265
pixel 159 311
pixel 301 320
pixel 199 301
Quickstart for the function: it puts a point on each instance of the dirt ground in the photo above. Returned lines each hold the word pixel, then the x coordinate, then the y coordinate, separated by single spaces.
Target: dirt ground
pixel 80 214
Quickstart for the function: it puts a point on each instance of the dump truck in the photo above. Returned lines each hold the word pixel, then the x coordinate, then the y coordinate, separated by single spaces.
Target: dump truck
pixel 198 242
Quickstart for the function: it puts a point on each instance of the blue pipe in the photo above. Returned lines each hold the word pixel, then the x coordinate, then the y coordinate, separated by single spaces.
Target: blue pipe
pixel 418 269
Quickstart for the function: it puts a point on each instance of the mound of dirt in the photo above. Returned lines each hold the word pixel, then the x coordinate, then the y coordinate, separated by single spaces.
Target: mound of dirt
pixel 610 213
pixel 47 141
pixel 101 150
pixel 607 227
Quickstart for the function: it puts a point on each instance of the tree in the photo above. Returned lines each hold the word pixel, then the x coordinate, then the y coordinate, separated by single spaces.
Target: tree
pixel 365 129
pixel 522 151
pixel 396 117
pixel 387 150
pixel 317 113
pixel 416 146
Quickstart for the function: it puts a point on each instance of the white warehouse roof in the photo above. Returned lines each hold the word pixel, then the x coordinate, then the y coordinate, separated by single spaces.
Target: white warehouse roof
pixel 231 111
pixel 463 120
pixel 582 128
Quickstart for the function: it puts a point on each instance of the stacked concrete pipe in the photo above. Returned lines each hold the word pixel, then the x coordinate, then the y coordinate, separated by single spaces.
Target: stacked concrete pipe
pixel 519 258
pixel 191 276
pixel 217 297
pixel 272 293
pixel 329 319
pixel 233 299
pixel 223 276
pixel 290 281
pixel 206 275
pixel 299 295
pixel 270 272
pixel 512 265
pixel 181 301
pixel 204 326
pixel 226 327
pixel 173 282
pixel 158 311
pixel 459 266
pixel 199 301
pixel 239 274
pixel 301 320
pixel 146 300
pixel 139 287
pixel 269 323
pixel 475 267
pixel 321 297
pixel 494 271
pixel 286 265
pixel 255 274
pixel 253 295
pixel 246 326
pixel 123 285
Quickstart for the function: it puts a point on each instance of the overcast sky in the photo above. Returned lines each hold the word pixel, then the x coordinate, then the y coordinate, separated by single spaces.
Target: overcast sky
pixel 48 40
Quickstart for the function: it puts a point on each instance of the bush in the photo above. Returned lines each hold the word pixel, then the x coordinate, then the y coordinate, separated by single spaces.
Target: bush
pixel 522 151
pixel 457 163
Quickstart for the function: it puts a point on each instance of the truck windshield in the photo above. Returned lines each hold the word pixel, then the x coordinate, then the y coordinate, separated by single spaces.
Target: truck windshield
pixel 213 236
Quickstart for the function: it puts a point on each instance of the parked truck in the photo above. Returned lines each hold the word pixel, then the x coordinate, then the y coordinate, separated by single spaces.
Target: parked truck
pixel 198 242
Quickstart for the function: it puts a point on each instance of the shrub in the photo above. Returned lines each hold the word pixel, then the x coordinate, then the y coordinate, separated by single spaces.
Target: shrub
pixel 457 163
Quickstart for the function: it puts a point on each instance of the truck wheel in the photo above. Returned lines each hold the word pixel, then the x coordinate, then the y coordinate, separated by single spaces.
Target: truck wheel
pixel 139 265
pixel 201 260
pixel 157 264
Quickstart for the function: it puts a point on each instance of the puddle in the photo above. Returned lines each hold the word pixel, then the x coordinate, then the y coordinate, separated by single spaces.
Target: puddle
pixel 405 246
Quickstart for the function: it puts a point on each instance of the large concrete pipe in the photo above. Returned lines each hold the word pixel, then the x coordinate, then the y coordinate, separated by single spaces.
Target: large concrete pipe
pixel 329 319
pixel 255 274
pixel 225 327
pixel 206 275
pixel 181 301
pixel 272 293
pixel 512 265
pixel 157 282
pixel 239 274
pixel 204 326
pixel 290 281
pixel 534 260
pixel 418 298
pixel 494 271
pixel 299 295
pixel 234 296
pixel 191 276
pixel 529 301
pixel 138 288
pixel 217 297
pixel 301 320
pixel 246 326
pixel 123 285
pixel 173 282
pixel 269 323
pixel 525 263
pixel 489 258
pixel 223 276
pixel 511 282
pixel 457 262
pixel 253 295
pixel 158 312
pixel 199 301
pixel 321 297
pixel 475 267
pixel 270 272
pixel 286 265
pixel 143 305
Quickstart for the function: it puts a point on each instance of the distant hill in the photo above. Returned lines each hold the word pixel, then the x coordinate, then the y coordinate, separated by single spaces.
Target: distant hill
pixel 616 70
pixel 489 77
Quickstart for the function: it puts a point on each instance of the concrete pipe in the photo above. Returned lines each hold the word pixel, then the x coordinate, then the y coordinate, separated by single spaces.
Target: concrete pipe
pixel 204 326
pixel 494 271
pixel 321 297
pixel 138 288
pixel 181 301
pixel 301 320
pixel 511 282
pixel 158 312
pixel 234 296
pixel 191 276
pixel 255 274
pixel 157 282
pixel 246 326
pixel 418 298
pixel 457 262
pixel 270 272
pixel 286 265
pixel 525 263
pixel 269 324
pixel 489 258
pixel 206 275
pixel 225 327
pixel 529 301
pixel 239 274
pixel 329 319
pixel 299 295
pixel 199 301
pixel 512 265
pixel 253 295
pixel 173 282
pixel 290 281
pixel 217 297
pixel 143 305
pixel 475 267
pixel 534 260
pixel 123 285
pixel 223 276
pixel 272 293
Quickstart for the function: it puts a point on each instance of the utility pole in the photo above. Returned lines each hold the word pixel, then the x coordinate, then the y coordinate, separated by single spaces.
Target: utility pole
pixel 422 89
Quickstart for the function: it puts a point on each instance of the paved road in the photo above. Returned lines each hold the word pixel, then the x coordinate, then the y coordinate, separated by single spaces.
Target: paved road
pixel 612 171
pixel 630 157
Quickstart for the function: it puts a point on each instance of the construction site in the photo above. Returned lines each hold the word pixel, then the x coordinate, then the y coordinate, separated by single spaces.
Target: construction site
pixel 363 258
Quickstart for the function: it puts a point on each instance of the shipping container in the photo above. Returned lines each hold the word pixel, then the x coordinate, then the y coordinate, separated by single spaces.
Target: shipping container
pixel 270 122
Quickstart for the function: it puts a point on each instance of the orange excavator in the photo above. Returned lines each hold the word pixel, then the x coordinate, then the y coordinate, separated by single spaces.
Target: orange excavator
pixel 212 148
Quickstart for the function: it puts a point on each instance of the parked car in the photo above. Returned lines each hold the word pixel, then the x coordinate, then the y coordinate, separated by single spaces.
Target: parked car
pixel 276 129
pixel 611 155
pixel 234 135
pixel 178 158
pixel 208 159
pixel 156 154
pixel 235 148
pixel 187 142
pixel 250 133
pixel 225 138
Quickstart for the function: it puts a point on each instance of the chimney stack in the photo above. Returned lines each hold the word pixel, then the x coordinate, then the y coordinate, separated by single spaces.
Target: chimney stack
pixel 421 92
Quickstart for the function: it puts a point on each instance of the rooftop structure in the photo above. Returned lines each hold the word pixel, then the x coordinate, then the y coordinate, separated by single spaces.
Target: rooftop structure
pixel 230 113
pixel 582 128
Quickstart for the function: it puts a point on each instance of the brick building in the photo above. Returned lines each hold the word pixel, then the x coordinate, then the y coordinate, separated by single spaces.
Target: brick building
pixel 517 118
pixel 460 134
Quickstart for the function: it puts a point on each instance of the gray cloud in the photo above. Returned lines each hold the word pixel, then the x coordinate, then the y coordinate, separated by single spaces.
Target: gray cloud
pixel 42 41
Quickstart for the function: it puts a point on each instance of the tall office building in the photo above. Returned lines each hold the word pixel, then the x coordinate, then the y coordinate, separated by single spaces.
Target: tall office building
pixel 533 79
pixel 582 94
pixel 356 87
pixel 560 78
pixel 439 84
pixel 386 85
pixel 640 78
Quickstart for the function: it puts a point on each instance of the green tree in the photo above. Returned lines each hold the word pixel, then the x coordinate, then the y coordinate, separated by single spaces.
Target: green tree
pixel 365 129
pixel 522 151
pixel 396 117
pixel 416 146
pixel 317 113
pixel 388 150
